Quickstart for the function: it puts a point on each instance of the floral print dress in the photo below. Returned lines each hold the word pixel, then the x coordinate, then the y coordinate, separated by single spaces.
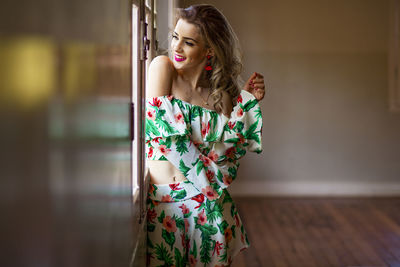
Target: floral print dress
pixel 195 222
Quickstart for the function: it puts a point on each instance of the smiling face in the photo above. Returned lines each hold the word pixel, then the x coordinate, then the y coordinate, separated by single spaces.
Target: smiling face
pixel 188 47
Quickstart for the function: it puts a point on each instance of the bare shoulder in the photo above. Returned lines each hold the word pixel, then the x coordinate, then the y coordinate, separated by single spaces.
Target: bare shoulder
pixel 227 103
pixel 159 78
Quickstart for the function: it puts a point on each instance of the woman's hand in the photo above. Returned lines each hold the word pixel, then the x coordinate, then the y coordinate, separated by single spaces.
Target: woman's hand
pixel 255 85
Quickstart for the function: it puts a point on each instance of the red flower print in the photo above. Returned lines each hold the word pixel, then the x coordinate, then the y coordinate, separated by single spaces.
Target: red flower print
pixel 164 150
pixel 202 218
pixel 227 179
pixel 228 234
pixel 186 225
pixel 197 144
pixel 169 224
pixel 166 198
pixel 156 102
pixel 213 156
pixel 185 209
pixel 170 97
pixel 151 188
pixel 231 125
pixel 199 199
pixel 210 193
pixel 242 238
pixel 175 187
pixel 241 138
pixel 217 248
pixel 184 241
pixel 192 260
pixel 206 161
pixel 151 215
pixel 205 128
pixel 230 152
pixel 151 114
pixel 179 118
pixel 240 112
pixel 240 99
pixel 210 176
pixel 156 139
pixel 237 220
pixel 150 154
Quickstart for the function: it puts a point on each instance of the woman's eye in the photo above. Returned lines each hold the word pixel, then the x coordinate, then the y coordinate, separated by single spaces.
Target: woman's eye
pixel 174 36
pixel 189 44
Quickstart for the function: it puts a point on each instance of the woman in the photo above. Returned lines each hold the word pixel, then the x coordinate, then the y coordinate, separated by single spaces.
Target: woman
pixel 198 125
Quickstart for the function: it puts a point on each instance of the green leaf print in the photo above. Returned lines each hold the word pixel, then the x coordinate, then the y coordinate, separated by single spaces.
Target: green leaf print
pixel 181 194
pixel 258 113
pixel 220 176
pixel 212 137
pixel 179 260
pixel 166 126
pixel 205 249
pixel 161 217
pixel 224 256
pixel 239 126
pixel 196 112
pixel 180 223
pixel 162 254
pixel 254 137
pixel 150 227
pixel 208 229
pixel 160 113
pixel 168 237
pixel 251 130
pixel 215 212
pixel 151 128
pixel 166 141
pixel 233 228
pixel 232 172
pixel 232 140
pixel 199 167
pixel 149 243
pixel 155 189
pixel 194 249
pixel 222 226
pixel 183 168
pixel 214 119
pixel 233 210
pixel 227 198
pixel 181 145
pixel 249 105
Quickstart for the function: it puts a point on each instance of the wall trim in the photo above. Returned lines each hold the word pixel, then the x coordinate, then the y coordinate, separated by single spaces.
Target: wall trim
pixel 315 188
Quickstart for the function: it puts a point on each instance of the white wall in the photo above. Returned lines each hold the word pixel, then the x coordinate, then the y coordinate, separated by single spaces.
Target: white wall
pixel 327 127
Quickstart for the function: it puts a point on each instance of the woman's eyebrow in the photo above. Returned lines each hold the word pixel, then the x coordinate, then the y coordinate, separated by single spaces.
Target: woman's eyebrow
pixel 186 37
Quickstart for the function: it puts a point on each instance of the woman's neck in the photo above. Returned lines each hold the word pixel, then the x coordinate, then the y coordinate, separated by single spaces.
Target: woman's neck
pixel 194 79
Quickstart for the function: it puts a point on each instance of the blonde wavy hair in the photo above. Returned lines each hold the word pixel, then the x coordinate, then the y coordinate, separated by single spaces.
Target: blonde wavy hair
pixel 218 35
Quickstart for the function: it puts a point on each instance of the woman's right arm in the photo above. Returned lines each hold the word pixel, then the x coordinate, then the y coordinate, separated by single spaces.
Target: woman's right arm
pixel 159 78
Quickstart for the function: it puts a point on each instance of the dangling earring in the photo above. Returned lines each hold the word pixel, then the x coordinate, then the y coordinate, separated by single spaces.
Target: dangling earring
pixel 208 67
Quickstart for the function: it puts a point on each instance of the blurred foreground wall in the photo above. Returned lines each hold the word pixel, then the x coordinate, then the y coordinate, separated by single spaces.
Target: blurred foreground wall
pixel 65 153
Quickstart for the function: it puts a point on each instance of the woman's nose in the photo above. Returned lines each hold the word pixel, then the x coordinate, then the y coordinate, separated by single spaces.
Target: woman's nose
pixel 177 46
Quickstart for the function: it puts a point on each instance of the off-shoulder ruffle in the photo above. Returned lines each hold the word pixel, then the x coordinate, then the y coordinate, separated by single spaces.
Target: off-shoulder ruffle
pixel 168 116
pixel 165 118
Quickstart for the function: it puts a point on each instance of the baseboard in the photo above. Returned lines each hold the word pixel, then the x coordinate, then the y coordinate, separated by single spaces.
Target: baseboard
pixel 311 188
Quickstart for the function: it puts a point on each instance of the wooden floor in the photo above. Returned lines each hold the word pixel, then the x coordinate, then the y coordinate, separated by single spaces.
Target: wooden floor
pixel 320 232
